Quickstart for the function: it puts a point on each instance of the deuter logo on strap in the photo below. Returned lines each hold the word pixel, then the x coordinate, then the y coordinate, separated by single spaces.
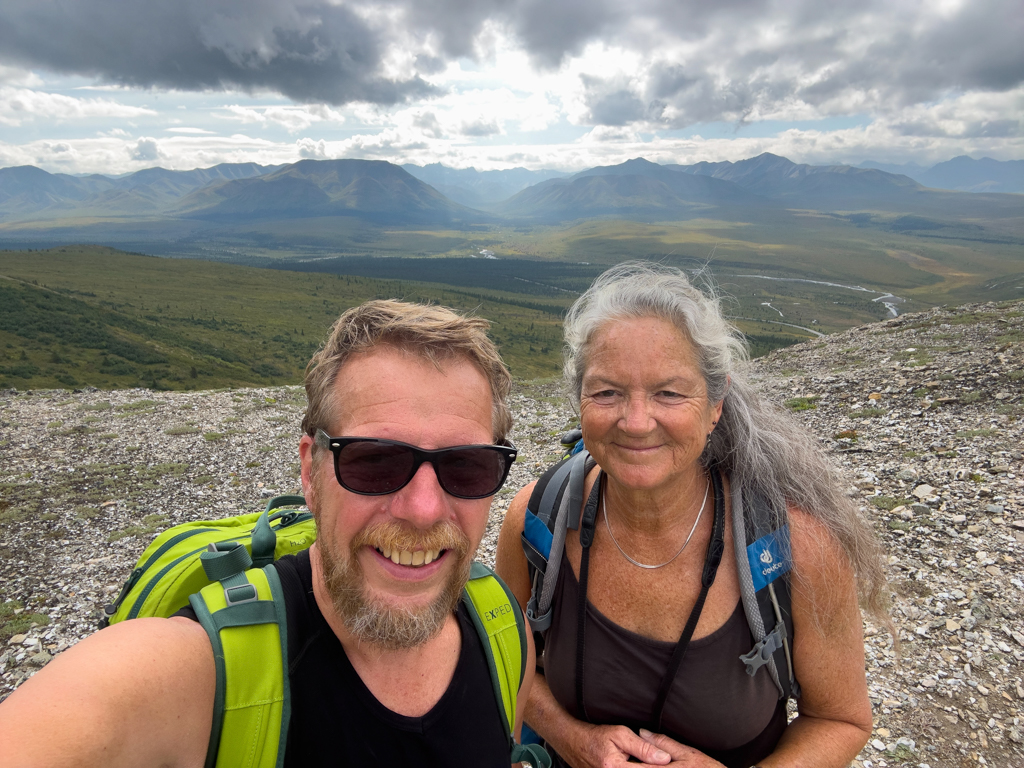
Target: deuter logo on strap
pixel 769 557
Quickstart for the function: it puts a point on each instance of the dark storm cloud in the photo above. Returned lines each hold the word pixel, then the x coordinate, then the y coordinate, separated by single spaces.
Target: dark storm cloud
pixel 611 102
pixel 309 51
pixel 729 60
pixel 549 29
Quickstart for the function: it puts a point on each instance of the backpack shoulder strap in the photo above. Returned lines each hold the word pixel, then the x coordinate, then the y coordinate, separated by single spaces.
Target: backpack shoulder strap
pixel 763 563
pixel 243 612
pixel 499 623
pixel 555 506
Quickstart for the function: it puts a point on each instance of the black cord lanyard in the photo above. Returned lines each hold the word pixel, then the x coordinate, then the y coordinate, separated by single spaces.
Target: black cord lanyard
pixel 711 562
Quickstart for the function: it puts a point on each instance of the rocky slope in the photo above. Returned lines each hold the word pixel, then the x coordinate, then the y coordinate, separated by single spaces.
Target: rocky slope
pixel 923 412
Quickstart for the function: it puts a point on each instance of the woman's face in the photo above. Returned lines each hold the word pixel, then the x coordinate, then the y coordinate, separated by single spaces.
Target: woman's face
pixel 644 408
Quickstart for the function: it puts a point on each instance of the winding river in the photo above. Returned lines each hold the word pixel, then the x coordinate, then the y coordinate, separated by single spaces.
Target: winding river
pixel 890 301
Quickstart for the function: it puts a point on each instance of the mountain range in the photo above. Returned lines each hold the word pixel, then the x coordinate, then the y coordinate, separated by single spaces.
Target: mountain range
pixel 373 190
pixel 381 193
pixel 963 174
pixel 474 188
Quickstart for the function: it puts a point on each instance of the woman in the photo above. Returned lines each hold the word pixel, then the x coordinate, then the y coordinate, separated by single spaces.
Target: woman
pixel 657 375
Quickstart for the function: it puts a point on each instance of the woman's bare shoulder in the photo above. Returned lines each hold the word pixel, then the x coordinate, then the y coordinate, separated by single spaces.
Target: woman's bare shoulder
pixel 516 513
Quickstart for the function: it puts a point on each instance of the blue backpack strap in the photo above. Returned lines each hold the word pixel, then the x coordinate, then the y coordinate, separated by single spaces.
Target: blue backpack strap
pixel 763 566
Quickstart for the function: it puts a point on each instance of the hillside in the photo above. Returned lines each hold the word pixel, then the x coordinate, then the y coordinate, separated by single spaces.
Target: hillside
pixel 644 191
pixel 814 186
pixel 969 175
pixel 373 190
pixel 27 191
pixel 636 189
pixel 88 316
pixel 922 412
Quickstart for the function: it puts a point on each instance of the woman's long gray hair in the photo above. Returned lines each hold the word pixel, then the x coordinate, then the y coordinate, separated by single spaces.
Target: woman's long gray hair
pixel 759 445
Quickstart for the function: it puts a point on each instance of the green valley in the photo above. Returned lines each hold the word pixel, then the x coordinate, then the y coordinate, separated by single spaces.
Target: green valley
pixel 92 316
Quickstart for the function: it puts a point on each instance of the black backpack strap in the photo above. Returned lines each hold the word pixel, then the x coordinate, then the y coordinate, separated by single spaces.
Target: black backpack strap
pixel 763 563
pixel 712 559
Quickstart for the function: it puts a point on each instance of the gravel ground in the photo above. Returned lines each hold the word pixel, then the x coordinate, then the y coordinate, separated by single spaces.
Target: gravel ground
pixel 922 412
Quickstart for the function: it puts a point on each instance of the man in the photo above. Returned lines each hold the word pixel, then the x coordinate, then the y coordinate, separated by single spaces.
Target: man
pixel 384 664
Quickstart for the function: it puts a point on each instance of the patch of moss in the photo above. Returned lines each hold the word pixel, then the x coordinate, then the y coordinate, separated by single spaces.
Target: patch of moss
pixel 138 405
pixel 168 468
pixel 888 502
pixel 14 514
pixel 14 621
pixel 131 530
pixel 79 430
pixel 802 403
pixel 985 432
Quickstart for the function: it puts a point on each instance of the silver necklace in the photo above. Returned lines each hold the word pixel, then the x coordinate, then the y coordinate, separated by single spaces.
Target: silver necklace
pixel 637 563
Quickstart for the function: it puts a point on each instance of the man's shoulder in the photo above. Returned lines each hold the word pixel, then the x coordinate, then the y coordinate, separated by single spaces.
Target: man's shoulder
pixel 141 690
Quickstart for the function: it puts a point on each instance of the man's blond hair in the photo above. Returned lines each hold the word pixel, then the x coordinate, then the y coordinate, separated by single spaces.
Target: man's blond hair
pixel 434 333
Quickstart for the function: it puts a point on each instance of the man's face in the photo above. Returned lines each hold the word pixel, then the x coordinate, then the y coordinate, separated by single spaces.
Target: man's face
pixel 388 394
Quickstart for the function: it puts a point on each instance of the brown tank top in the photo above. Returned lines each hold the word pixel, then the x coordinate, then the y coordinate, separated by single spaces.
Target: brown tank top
pixel 713 706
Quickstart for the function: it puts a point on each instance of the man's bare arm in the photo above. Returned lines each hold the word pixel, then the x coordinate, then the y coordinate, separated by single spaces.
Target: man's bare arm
pixel 136 694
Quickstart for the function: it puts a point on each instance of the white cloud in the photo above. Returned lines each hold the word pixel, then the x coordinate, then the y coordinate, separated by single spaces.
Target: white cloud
pixel 292 119
pixel 192 131
pixel 20 105
pixel 312 150
pixel 145 150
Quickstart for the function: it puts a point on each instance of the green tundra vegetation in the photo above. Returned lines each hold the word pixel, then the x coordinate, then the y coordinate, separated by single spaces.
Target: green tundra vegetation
pixel 77 316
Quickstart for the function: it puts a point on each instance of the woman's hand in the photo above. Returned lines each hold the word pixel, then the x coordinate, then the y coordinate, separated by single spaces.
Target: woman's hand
pixel 682 755
pixel 611 746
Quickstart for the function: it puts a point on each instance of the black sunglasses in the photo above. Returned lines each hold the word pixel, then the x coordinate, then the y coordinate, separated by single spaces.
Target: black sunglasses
pixel 372 466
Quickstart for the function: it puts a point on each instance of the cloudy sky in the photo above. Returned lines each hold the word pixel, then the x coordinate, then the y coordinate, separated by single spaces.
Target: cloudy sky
pixel 113 86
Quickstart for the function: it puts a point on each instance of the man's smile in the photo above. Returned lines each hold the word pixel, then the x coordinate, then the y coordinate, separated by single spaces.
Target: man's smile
pixel 415 558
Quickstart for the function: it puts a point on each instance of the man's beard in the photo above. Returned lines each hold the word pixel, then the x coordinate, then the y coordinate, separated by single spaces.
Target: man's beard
pixel 373 620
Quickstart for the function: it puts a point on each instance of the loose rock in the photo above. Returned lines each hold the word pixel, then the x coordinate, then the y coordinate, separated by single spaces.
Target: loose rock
pixel 89 478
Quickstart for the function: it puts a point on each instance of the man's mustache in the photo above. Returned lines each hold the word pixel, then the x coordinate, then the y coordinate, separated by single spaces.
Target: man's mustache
pixel 392 535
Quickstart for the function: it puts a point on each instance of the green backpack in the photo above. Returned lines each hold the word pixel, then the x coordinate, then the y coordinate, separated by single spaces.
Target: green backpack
pixel 222 568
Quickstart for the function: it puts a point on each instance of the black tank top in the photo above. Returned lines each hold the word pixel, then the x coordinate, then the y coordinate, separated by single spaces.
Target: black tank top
pixel 713 705
pixel 337 721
